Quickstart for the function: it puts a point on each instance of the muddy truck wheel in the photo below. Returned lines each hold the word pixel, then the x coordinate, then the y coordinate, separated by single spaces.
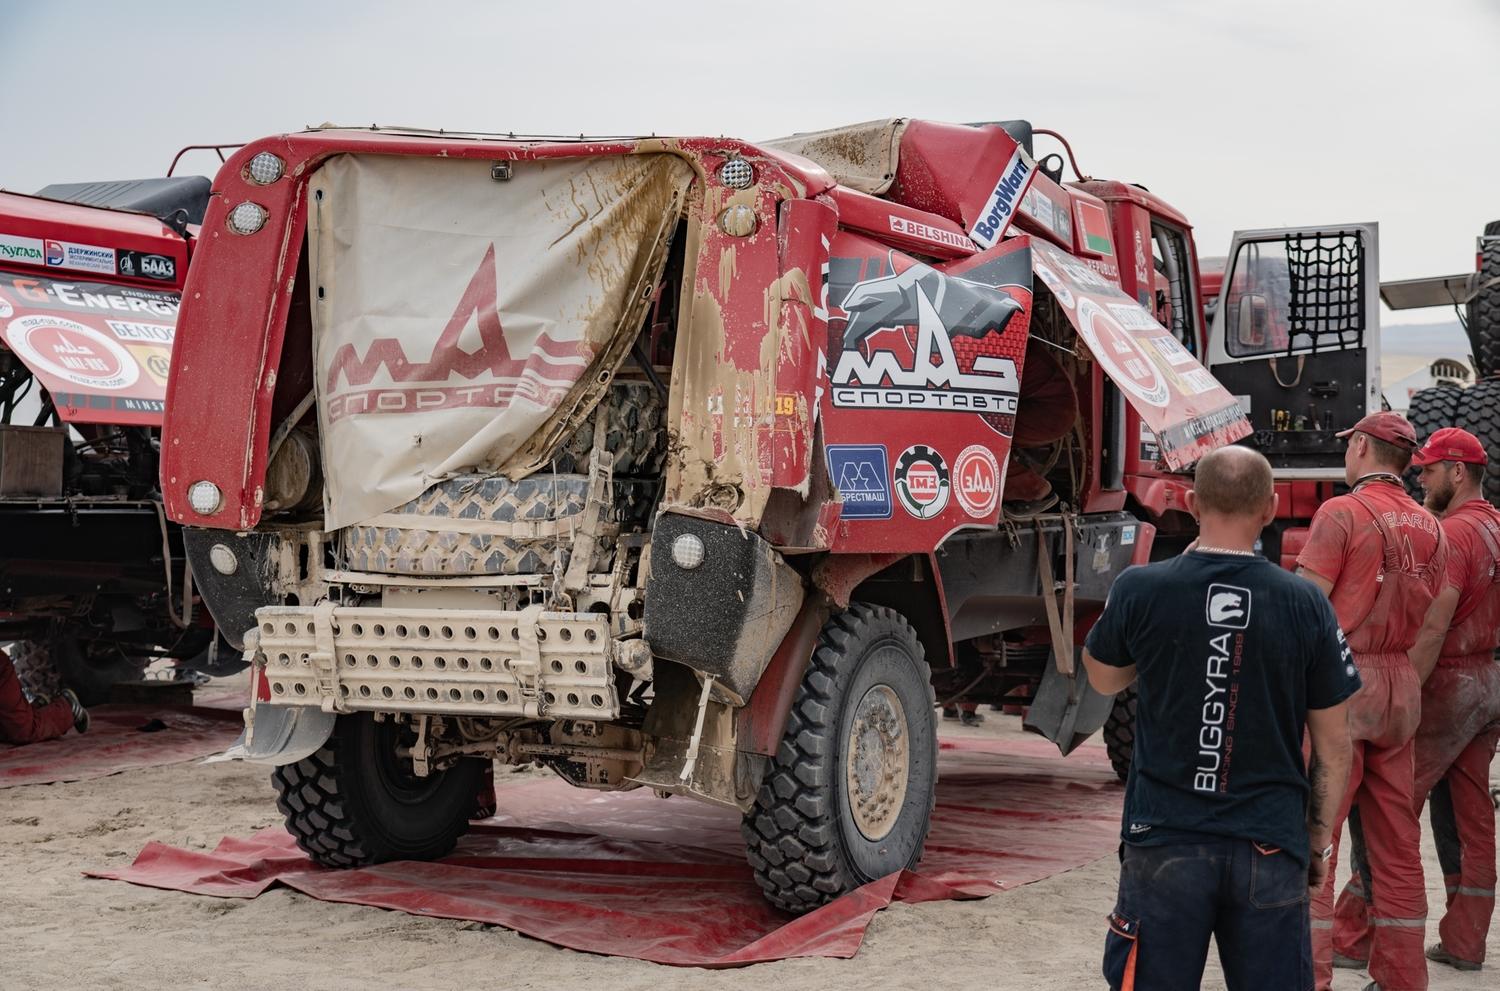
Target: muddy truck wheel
pixel 1479 414
pixel 46 667
pixel 1430 410
pixel 848 798
pixel 357 801
pixel 1484 308
pixel 1119 733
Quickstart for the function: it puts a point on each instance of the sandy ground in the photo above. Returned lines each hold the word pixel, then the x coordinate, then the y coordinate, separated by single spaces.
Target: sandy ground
pixel 66 931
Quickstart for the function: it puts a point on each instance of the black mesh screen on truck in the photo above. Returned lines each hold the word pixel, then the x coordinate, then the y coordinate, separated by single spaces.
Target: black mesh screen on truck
pixel 1326 275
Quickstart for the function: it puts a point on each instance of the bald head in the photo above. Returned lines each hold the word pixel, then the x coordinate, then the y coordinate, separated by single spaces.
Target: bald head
pixel 1233 481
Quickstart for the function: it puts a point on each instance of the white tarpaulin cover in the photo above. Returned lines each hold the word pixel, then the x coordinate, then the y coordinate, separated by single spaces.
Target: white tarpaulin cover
pixel 464 323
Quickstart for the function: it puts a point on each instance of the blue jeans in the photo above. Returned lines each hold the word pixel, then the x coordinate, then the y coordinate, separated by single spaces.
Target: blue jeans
pixel 1252 899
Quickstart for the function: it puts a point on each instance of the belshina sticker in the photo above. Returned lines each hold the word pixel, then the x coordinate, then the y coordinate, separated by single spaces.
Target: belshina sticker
pixel 1005 199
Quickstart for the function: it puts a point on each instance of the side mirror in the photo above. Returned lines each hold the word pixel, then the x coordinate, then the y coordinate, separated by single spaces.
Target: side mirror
pixel 1250 321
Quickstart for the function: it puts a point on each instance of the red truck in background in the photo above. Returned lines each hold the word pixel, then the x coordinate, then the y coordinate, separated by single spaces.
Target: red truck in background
pixel 94 585
pixel 696 464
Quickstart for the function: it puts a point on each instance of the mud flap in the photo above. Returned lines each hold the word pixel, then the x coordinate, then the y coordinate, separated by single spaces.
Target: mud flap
pixel 1066 709
pixel 279 735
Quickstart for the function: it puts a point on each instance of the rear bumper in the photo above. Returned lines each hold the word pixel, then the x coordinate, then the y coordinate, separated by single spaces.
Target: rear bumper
pixel 530 663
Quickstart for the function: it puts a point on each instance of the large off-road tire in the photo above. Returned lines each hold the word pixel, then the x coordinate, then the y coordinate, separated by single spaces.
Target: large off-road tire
pixel 45 667
pixel 1479 414
pixel 848 798
pixel 1430 410
pixel 356 802
pixel 1484 308
pixel 635 433
pixel 1119 733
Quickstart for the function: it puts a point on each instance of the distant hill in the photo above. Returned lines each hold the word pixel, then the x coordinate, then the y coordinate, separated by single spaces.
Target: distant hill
pixel 1442 339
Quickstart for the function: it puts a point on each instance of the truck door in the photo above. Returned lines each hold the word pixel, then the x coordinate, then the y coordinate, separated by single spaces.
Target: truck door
pixel 1295 337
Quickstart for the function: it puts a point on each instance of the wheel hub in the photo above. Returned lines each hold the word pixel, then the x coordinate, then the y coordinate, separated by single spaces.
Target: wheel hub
pixel 878 764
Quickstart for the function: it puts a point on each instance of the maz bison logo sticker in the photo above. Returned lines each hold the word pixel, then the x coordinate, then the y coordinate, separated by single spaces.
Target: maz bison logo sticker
pixel 919 340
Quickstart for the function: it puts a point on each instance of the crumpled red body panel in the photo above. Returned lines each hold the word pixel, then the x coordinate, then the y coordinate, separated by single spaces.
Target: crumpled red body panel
pixel 115 743
pixel 629 874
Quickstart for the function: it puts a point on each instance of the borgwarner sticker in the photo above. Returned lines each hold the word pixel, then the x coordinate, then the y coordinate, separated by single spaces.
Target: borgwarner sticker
pixel 922 481
pixel 996 215
pixel 73 352
pixel 861 472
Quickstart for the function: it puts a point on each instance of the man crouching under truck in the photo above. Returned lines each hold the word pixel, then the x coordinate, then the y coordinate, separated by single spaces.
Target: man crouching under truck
pixel 1219 837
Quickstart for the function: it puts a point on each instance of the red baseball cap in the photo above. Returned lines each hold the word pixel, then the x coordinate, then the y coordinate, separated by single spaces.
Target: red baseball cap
pixel 1451 444
pixel 1393 428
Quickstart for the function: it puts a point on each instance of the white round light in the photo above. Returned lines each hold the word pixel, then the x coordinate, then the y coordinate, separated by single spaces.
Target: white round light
pixel 687 551
pixel 738 221
pixel 247 218
pixel 205 498
pixel 737 174
pixel 223 559
pixel 265 169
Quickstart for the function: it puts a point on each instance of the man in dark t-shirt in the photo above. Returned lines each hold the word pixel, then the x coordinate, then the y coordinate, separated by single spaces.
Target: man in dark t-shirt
pixel 1234 658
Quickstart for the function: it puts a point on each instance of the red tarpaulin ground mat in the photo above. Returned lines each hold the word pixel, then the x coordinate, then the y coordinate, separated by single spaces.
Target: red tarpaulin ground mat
pixel 121 738
pixel 630 874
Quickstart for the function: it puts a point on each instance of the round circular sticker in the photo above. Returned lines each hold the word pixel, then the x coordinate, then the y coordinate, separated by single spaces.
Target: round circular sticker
pixel 922 481
pixel 977 481
pixel 5 308
pixel 70 351
pixel 1114 347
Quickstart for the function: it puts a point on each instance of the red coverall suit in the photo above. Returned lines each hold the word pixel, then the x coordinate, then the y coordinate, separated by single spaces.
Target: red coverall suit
pixel 1456 741
pixel 1387 560
pixel 22 722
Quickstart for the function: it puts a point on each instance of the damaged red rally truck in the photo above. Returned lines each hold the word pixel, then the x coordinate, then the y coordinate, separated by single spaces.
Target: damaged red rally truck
pixel 94 584
pixel 688 464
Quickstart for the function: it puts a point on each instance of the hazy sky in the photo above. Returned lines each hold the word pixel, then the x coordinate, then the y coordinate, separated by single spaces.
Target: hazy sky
pixel 1241 114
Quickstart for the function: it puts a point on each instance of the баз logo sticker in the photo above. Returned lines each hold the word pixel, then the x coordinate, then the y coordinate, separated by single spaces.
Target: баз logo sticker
pixel 978 476
pixel 1228 606
pixel 861 472
pixel 922 481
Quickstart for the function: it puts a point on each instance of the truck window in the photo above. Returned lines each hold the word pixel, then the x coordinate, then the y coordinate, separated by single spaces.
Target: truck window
pixel 1301 293
pixel 1173 296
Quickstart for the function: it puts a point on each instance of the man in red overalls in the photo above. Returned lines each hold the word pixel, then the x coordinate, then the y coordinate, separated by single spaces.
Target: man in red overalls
pixel 22 722
pixel 1382 561
pixel 1460 711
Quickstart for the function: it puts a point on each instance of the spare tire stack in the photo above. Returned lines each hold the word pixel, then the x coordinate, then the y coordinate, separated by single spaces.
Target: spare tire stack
pixel 1431 409
pixel 1484 308
pixel 1477 409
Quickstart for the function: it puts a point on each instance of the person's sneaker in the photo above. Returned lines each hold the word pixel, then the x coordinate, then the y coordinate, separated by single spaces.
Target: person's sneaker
pixel 80 714
pixel 1350 963
pixel 1437 954
pixel 970 718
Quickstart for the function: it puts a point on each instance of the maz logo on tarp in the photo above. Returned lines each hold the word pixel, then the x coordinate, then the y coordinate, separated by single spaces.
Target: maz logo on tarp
pixel 496 377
